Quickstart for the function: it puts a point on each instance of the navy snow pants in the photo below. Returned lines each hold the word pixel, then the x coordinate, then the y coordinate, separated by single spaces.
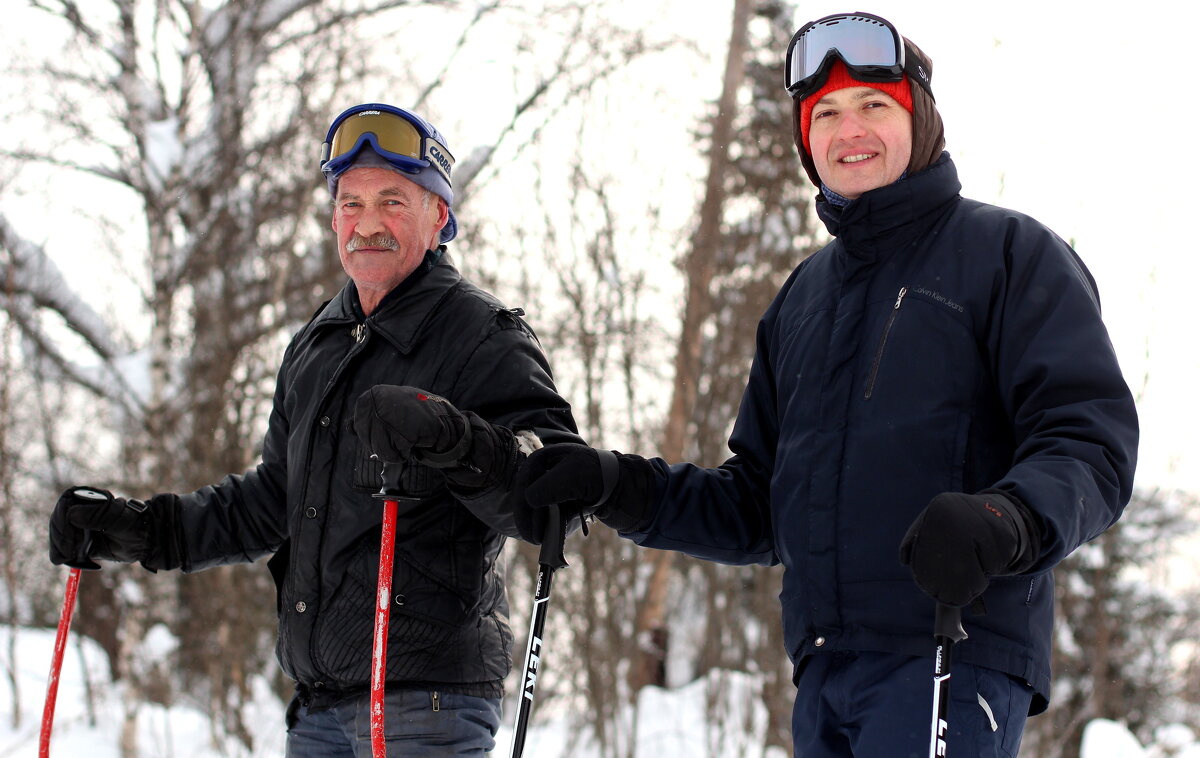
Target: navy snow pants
pixel 867 705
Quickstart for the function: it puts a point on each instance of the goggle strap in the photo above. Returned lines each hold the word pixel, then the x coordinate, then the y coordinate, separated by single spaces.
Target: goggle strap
pixel 916 72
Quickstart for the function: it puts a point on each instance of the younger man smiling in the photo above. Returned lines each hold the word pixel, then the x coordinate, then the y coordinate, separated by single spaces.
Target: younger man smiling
pixel 859 136
pixel 934 413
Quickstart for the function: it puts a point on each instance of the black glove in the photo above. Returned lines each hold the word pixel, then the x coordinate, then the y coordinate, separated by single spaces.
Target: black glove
pixel 618 489
pixel 960 541
pixel 408 424
pixel 90 523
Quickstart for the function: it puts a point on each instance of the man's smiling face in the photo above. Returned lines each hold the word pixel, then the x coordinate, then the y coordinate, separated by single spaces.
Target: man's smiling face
pixel 384 225
pixel 860 139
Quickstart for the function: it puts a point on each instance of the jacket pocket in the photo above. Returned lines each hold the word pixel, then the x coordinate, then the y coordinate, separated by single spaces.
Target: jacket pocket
pixel 278 566
pixel 426 616
pixel 883 339
pixel 497 639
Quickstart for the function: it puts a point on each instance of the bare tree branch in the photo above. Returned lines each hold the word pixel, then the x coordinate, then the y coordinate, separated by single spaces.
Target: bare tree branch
pixel 31 273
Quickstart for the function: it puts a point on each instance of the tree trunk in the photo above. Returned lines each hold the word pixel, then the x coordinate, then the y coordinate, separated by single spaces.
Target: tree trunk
pixel 8 511
pixel 651 630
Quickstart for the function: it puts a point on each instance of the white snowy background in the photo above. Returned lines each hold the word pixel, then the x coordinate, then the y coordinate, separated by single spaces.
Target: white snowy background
pixel 670 721
pixel 1074 112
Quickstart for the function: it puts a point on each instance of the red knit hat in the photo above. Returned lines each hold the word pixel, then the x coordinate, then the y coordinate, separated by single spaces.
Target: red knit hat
pixel 840 78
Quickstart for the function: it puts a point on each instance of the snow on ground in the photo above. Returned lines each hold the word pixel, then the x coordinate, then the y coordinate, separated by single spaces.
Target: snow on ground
pixel 181 731
pixel 670 723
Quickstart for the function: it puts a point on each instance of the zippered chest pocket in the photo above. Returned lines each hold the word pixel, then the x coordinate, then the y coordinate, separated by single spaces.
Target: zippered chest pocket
pixel 924 352
pixel 883 340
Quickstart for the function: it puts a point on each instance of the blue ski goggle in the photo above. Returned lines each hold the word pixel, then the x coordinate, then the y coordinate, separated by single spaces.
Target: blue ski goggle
pixel 404 139
pixel 870 47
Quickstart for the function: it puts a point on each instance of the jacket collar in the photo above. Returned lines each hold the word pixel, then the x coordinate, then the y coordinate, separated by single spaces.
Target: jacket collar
pixel 403 311
pixel 890 217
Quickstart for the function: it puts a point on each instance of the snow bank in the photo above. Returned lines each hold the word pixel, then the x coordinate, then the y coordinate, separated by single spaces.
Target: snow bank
pixel 1108 739
pixel 180 731
pixel 669 722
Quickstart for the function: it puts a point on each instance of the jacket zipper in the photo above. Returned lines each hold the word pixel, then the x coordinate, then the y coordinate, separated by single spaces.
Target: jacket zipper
pixel 887 329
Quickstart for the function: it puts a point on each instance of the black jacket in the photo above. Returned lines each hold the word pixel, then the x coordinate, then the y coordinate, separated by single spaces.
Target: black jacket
pixel 310 499
pixel 937 345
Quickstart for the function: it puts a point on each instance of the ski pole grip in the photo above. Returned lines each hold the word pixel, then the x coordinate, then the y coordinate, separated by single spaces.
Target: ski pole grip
pixel 947 622
pixel 83 561
pixel 391 480
pixel 553 540
pixel 391 489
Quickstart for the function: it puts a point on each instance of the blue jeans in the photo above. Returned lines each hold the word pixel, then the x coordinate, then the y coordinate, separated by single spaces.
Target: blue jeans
pixel 416 723
pixel 864 705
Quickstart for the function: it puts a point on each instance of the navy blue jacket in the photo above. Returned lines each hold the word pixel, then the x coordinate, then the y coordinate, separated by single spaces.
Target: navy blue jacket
pixel 938 344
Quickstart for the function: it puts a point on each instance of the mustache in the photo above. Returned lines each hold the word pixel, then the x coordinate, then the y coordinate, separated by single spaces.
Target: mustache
pixel 384 240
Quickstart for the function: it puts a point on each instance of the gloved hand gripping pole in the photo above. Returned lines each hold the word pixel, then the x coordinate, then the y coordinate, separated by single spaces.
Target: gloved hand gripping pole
pixel 64 627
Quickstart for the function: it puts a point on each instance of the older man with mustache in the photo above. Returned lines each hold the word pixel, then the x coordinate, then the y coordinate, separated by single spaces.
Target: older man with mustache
pixel 406 317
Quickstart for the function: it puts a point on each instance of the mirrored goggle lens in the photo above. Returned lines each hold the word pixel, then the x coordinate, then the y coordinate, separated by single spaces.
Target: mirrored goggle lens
pixel 392 133
pixel 859 40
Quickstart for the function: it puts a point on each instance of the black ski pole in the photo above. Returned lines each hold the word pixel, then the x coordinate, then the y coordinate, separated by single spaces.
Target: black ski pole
pixel 947 630
pixel 549 560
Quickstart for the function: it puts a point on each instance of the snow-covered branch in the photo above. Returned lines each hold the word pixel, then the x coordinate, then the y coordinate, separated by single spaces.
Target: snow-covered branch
pixel 32 281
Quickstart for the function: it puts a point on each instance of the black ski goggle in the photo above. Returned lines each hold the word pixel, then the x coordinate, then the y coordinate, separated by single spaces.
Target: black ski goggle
pixel 870 47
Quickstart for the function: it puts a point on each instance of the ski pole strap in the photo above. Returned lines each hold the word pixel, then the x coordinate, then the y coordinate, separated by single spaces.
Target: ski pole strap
pixel 947 622
pixel 610 471
pixel 450 458
pixel 552 542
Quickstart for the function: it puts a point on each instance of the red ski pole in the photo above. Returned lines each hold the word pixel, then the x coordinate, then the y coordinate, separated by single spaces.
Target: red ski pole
pixel 391 497
pixel 64 626
pixel 60 644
